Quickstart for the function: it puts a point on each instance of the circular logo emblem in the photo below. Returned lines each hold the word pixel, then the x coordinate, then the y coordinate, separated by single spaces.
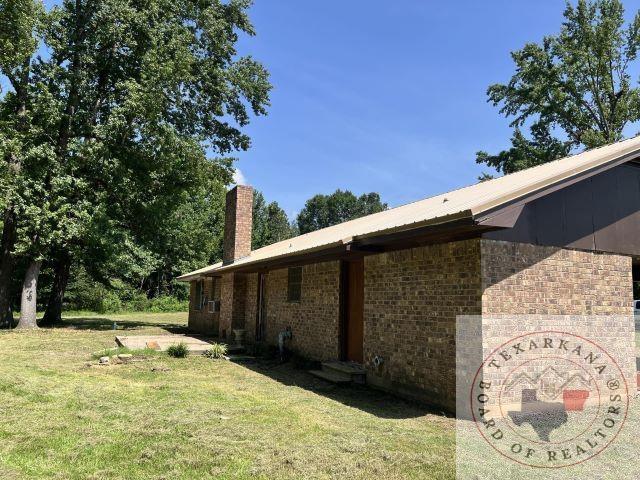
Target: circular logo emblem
pixel 549 399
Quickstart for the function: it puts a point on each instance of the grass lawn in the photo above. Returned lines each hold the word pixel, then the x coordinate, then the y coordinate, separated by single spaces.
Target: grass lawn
pixel 161 418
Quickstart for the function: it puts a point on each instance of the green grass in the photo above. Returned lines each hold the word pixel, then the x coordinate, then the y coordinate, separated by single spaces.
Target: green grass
pixel 114 351
pixel 64 417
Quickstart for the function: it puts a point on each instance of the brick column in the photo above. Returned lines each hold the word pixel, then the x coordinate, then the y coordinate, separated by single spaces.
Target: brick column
pixel 232 303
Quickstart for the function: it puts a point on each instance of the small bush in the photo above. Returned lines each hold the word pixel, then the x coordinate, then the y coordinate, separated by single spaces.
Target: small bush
pixel 110 303
pixel 217 350
pixel 138 302
pixel 178 351
pixel 166 303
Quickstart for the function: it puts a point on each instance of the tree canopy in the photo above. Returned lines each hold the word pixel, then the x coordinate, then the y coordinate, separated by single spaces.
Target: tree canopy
pixel 322 211
pixel 573 90
pixel 270 223
pixel 120 117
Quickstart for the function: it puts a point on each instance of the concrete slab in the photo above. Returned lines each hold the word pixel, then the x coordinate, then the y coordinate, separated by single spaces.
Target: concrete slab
pixel 197 344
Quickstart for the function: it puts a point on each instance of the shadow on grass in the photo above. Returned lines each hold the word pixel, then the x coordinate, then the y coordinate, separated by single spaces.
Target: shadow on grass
pixel 100 323
pixel 374 402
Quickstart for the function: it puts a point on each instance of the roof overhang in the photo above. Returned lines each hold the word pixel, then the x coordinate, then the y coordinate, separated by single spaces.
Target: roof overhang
pixel 484 214
pixel 463 226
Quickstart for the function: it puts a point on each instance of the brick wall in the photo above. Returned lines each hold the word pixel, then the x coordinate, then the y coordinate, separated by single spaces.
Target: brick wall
pixel 201 320
pixel 412 298
pixel 559 289
pixel 239 300
pixel 233 303
pixel 519 278
pixel 313 321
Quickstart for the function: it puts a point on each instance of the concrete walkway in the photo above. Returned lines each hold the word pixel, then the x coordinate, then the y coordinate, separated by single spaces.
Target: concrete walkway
pixel 197 344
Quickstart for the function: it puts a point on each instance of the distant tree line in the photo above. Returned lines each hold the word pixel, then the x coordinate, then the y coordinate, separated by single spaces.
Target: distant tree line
pixel 322 211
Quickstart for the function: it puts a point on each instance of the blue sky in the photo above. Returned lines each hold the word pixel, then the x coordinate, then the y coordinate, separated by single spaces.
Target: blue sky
pixel 385 96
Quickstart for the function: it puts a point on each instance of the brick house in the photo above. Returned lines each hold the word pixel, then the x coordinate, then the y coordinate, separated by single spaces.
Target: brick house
pixel 558 239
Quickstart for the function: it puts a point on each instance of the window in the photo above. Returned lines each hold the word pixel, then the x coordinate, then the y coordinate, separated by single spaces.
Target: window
pixel 294 284
pixel 214 303
pixel 214 306
pixel 199 296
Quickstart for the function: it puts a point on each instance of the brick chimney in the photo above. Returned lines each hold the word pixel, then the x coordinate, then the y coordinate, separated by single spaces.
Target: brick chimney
pixel 238 220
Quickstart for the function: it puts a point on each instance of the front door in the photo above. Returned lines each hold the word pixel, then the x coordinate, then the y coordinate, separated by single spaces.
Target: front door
pixel 354 311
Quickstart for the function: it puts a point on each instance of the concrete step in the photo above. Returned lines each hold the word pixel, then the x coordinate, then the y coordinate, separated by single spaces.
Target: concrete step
pixel 344 367
pixel 196 345
pixel 354 371
pixel 331 376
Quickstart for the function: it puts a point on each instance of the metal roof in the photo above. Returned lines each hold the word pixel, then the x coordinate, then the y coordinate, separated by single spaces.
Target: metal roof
pixel 467 202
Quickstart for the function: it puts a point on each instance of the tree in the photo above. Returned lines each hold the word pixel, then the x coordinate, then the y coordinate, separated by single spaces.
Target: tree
pixel 183 237
pixel 270 223
pixel 573 90
pixel 19 24
pixel 322 211
pixel 121 112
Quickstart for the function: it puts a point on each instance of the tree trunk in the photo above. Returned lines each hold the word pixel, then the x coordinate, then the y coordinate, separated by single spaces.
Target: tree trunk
pixel 28 300
pixel 9 229
pixel 9 235
pixel 53 313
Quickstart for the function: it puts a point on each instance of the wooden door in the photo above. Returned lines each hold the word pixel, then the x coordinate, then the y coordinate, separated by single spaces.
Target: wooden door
pixel 355 311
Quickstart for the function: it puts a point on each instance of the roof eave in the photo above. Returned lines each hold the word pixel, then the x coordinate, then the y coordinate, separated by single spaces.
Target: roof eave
pixel 549 185
pixel 345 243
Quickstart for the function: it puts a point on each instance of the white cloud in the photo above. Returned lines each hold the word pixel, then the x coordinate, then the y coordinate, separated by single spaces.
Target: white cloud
pixel 239 178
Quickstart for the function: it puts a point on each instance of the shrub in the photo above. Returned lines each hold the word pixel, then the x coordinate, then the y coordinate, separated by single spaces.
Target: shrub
pixel 109 303
pixel 217 350
pixel 166 303
pixel 178 351
pixel 137 303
